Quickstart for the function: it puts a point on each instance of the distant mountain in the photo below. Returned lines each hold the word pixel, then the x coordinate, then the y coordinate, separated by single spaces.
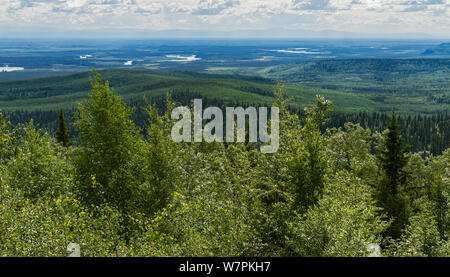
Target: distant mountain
pixel 441 49
pixel 179 33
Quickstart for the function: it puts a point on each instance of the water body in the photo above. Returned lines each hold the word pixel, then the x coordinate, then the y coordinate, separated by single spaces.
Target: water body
pixel 46 57
pixel 10 69
pixel 180 58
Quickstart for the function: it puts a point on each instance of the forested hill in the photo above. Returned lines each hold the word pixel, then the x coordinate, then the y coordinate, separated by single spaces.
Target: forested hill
pixel 323 193
pixel 425 123
pixel 348 95
pixel 52 93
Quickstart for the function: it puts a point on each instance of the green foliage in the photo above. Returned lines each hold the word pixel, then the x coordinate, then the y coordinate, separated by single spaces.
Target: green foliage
pixel 390 190
pixel 157 161
pixel 421 237
pixel 424 115
pixel 206 227
pixel 62 135
pixel 439 192
pixel 5 138
pixel 310 162
pixel 127 192
pixel 47 227
pixel 343 223
pixel 350 149
pixel 109 140
pixel 38 167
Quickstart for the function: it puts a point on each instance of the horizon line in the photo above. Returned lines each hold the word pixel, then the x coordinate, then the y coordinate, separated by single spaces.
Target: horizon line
pixel 220 38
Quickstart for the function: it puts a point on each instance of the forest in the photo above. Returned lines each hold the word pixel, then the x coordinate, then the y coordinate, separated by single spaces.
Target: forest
pixel 423 115
pixel 126 189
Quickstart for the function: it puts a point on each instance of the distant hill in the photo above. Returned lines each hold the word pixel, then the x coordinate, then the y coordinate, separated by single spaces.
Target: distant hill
pixel 42 98
pixel 65 91
pixel 53 93
pixel 442 50
pixel 416 86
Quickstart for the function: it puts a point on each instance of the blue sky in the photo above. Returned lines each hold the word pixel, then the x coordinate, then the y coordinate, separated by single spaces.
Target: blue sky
pixel 136 17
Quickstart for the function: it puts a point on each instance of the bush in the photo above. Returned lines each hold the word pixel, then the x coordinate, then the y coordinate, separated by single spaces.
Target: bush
pixel 343 222
pixel 39 167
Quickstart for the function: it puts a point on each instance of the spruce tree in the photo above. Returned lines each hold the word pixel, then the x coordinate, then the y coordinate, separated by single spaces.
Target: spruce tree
pixel 309 166
pixel 62 135
pixel 393 158
pixel 107 160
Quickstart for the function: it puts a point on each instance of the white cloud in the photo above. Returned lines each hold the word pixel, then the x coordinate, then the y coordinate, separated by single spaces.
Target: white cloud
pixel 212 7
pixel 345 15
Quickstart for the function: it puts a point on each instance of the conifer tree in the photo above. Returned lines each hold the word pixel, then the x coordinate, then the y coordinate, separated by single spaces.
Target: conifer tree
pixel 5 137
pixel 310 164
pixel 62 135
pixel 109 142
pixel 390 196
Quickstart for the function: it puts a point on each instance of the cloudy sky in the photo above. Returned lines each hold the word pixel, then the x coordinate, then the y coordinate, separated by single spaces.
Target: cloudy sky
pixel 119 17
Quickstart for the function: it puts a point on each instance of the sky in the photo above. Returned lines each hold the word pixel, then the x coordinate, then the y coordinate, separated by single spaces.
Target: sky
pixel 239 18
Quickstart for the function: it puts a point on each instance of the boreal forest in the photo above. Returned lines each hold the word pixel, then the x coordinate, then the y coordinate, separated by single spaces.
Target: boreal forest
pixel 107 176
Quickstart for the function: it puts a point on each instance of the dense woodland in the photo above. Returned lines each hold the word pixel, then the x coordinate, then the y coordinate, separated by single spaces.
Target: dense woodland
pixel 429 134
pixel 124 188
